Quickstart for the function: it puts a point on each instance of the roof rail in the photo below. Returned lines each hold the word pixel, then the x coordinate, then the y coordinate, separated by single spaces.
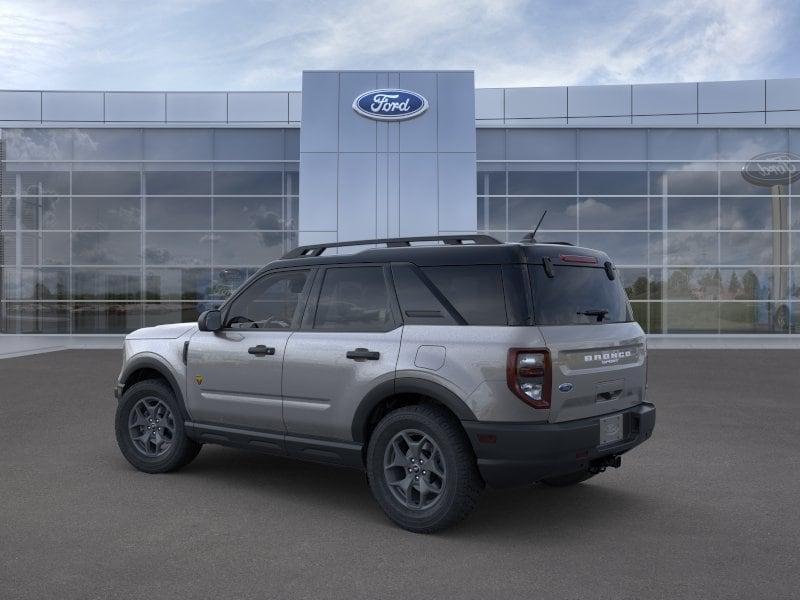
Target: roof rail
pixel 449 240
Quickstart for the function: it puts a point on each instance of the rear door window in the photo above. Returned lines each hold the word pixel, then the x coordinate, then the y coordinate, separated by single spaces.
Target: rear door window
pixel 475 291
pixel 354 299
pixel 578 296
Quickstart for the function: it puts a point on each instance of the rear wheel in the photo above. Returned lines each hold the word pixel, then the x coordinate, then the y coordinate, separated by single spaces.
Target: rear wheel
pixel 568 479
pixel 422 470
pixel 150 431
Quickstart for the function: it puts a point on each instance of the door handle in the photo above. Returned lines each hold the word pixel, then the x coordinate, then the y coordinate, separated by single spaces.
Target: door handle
pixel 261 350
pixel 363 353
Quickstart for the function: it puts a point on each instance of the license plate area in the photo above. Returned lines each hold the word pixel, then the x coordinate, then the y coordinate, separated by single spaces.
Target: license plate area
pixel 611 429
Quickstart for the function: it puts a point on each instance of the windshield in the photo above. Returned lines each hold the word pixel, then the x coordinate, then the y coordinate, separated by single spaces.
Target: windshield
pixel 578 296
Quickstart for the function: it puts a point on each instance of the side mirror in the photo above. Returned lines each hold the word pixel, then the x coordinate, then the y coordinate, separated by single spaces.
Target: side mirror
pixel 210 320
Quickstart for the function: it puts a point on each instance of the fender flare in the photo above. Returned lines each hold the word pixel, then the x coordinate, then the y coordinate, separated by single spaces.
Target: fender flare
pixel 150 362
pixel 407 385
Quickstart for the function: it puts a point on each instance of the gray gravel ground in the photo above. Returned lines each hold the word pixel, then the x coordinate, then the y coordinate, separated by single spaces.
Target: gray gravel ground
pixel 706 509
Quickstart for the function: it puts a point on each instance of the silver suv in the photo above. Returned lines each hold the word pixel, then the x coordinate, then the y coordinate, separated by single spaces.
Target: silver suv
pixel 435 368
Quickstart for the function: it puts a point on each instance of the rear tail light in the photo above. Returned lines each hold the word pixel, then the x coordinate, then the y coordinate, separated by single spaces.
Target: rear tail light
pixel 528 376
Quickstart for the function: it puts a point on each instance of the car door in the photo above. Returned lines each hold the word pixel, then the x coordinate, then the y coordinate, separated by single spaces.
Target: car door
pixel 234 374
pixel 348 344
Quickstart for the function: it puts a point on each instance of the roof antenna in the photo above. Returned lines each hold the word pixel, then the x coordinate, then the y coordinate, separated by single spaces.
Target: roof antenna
pixel 530 238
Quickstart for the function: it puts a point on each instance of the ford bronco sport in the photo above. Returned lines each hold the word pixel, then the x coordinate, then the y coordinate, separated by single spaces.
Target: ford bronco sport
pixel 437 369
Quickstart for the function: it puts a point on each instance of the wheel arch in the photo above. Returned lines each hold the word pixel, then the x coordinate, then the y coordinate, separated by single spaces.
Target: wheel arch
pixel 148 367
pixel 403 392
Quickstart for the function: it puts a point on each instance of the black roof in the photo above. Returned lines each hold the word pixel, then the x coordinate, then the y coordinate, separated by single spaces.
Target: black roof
pixel 485 250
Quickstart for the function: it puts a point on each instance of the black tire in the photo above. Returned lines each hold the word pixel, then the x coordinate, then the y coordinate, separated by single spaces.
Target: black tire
pixel 459 489
pixel 568 479
pixel 180 450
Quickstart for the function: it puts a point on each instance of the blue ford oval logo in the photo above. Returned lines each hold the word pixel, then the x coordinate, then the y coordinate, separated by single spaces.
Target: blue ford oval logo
pixel 565 387
pixel 390 105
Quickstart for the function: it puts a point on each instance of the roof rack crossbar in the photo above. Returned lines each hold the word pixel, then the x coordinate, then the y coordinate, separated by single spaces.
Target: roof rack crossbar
pixel 399 242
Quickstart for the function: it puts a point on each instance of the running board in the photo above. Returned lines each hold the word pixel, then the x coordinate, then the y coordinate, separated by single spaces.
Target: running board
pixel 346 454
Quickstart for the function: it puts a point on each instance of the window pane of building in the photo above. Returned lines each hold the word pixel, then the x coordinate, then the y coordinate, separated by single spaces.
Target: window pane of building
pixel 178 248
pixel 524 213
pixel 248 213
pixel 177 182
pixel 178 212
pixel 97 212
pixel 106 248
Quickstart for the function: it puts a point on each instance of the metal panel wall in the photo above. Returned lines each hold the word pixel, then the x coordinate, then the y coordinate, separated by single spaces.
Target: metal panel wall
pixel 361 178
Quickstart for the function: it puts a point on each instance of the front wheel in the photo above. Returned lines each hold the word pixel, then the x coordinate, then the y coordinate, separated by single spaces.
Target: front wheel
pixel 150 431
pixel 422 470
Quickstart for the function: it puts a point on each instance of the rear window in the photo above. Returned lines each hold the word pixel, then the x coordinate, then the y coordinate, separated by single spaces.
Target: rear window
pixel 475 291
pixel 577 296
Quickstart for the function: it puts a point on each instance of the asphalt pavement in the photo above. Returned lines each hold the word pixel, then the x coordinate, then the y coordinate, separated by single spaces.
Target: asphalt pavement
pixel 708 508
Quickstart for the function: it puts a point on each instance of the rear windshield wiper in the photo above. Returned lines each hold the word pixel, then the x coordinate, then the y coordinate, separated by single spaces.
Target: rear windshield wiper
pixel 600 313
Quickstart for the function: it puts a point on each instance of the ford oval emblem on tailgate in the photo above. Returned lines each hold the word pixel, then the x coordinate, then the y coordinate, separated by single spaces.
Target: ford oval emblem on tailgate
pixel 565 387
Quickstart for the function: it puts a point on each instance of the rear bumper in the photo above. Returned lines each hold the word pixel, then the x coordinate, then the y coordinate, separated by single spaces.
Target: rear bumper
pixel 523 453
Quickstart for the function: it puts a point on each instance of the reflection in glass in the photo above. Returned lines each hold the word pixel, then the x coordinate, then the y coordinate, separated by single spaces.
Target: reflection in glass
pixel 754 317
pixel 44 212
pixel 161 313
pixel 35 317
pixel 545 183
pixel 36 182
pixel 178 248
pixel 178 212
pixel 693 284
pixel 248 213
pixel 690 317
pixel 622 248
pixel 751 283
pixel 93 212
pixel 248 182
pixel 695 248
pixel 247 248
pixel 748 248
pixel 524 213
pixel 117 183
pixel 684 183
pixel 106 284
pixel 635 283
pixel 177 183
pixel 107 144
pixel 692 213
pixel 753 213
pixel 36 284
pixel 177 284
pixel 492 214
pixel 106 248
pixel 733 183
pixel 613 183
pixel 491 182
pixel 38 144
pixel 106 317
pixel 612 213
pixel 248 144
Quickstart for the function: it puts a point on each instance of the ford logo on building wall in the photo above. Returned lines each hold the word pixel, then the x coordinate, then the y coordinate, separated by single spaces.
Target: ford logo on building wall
pixel 772 168
pixel 390 105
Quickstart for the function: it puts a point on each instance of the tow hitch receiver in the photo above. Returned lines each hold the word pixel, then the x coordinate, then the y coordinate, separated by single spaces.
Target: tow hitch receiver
pixel 601 464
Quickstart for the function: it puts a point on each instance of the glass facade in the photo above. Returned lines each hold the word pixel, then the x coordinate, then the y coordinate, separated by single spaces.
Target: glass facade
pixel 699 247
pixel 104 230
pixel 109 230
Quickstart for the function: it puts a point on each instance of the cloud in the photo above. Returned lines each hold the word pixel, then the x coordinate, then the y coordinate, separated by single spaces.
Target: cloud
pixel 265 45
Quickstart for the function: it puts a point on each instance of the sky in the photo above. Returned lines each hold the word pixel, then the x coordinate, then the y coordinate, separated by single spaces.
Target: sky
pixel 265 45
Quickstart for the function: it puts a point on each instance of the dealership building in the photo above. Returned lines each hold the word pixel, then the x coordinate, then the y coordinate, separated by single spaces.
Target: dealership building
pixel 127 209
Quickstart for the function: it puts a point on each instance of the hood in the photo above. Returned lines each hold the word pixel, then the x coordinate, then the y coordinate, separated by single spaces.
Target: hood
pixel 162 332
